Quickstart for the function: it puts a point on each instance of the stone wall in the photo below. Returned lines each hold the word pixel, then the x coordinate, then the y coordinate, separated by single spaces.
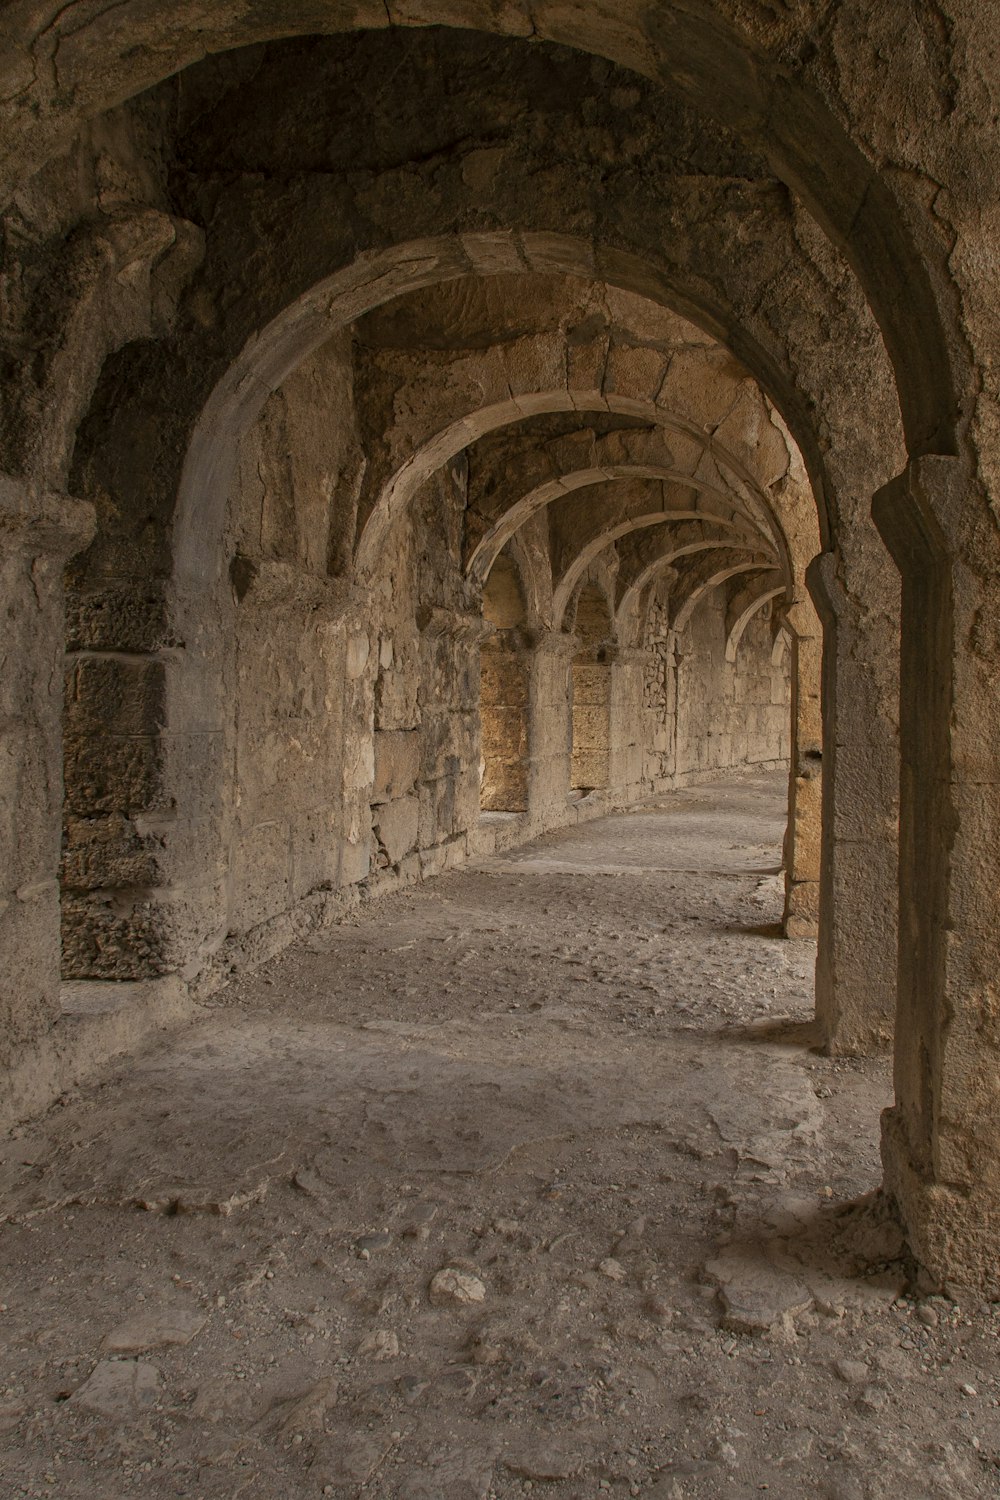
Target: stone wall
pixel 730 713
pixel 284 666
pixel 368 730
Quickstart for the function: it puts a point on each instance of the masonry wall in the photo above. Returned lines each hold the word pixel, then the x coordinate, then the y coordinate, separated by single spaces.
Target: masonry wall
pixel 703 714
pixel 730 714
pixel 351 719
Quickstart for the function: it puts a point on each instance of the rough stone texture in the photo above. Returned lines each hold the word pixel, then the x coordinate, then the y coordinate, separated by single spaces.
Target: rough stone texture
pixel 645 1108
pixel 315 367
pixel 37 533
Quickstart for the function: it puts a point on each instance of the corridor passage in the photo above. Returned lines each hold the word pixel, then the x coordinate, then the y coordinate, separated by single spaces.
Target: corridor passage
pixel 577 1080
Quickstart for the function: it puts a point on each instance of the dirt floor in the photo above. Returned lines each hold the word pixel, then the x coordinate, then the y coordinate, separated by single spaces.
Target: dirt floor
pixel 578 1081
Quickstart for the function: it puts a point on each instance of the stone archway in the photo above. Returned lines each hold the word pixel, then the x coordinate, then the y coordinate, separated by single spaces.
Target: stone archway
pixel 934 516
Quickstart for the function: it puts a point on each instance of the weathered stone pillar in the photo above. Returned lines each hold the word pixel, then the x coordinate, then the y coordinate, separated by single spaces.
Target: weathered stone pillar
pixel 505 671
pixel 803 835
pixel 591 708
pixel 550 724
pixel 941 1139
pixel 144 861
pixel 856 958
pixel 448 698
pixel 38 532
pixel 628 687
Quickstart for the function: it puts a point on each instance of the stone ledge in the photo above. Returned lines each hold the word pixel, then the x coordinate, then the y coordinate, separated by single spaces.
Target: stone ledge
pixel 37 521
pixel 99 1022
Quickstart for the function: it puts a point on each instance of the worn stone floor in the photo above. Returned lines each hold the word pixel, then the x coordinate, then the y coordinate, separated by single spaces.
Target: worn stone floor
pixel 578 1079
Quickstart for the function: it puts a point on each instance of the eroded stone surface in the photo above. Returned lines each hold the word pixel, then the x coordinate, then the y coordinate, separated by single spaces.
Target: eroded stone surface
pixel 154 1329
pixel 457 1069
pixel 304 334
pixel 120 1389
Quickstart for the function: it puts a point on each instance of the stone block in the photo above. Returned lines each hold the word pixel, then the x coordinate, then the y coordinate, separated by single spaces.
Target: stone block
pixel 503 681
pixel 148 773
pixel 355 861
pixel 590 769
pixel 106 935
pixel 802 909
pixel 119 616
pixel 449 741
pixel 449 674
pixel 261 875
pixel 505 787
pixel 113 773
pixel 396 699
pixel 504 734
pixel 635 371
pixel 535 364
pixel 449 806
pixel 591 684
pixel 397 764
pixel 109 851
pixel 396 824
pixel 591 726
pixel 108 695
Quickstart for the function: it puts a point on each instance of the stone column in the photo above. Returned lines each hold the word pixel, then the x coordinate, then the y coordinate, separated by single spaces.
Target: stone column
pixel 505 671
pixel 628 687
pixel 591 716
pixel 38 532
pixel 550 724
pixel 803 834
pixel 856 958
pixel 941 1139
pixel 448 698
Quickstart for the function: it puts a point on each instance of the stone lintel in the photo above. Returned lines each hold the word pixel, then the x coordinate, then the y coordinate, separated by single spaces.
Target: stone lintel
pixel 39 521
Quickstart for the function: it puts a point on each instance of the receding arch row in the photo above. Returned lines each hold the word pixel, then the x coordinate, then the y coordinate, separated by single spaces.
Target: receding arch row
pixel 520 511
pixel 593 549
pixel 759 592
pixel 399 493
pixel 702 53
pixel 709 419
pixel 279 348
pixel 701 581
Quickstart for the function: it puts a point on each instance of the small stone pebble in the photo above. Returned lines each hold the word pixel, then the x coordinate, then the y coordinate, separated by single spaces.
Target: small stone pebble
pixel 380 1344
pixel 372 1242
pixel 454 1288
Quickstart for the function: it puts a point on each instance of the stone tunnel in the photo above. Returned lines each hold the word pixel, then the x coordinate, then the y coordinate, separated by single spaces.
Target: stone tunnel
pixel 439 437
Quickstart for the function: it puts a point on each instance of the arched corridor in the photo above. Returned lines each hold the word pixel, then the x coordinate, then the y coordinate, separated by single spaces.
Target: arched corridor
pixel 580 1076
pixel 432 429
